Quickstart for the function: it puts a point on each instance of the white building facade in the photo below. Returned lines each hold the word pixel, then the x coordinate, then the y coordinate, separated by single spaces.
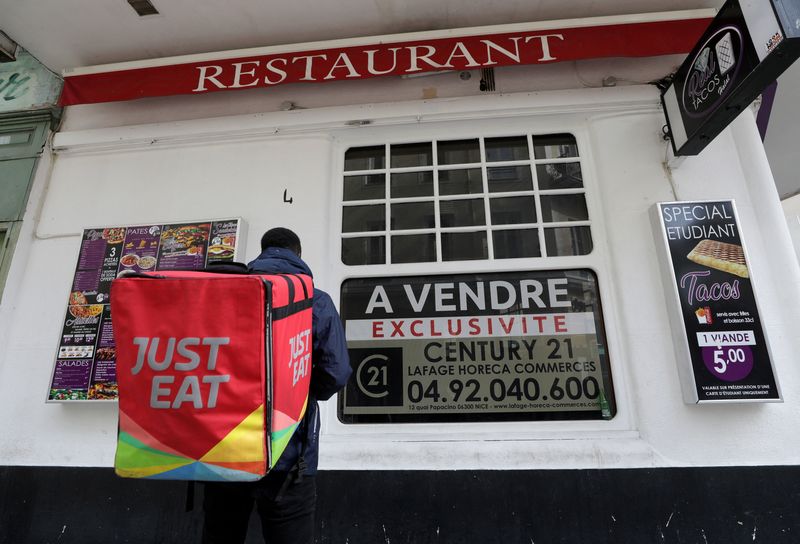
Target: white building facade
pixel 433 179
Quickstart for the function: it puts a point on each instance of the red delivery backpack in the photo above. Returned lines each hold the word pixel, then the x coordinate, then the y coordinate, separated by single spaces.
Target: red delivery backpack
pixel 213 372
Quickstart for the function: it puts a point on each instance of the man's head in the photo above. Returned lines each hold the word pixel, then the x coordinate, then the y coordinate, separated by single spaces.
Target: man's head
pixel 281 237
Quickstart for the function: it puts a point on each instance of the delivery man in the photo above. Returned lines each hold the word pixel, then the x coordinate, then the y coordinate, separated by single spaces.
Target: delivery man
pixel 286 498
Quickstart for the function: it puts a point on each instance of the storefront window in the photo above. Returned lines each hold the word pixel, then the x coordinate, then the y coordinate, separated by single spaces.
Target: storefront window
pixel 516 344
pixel 506 346
pixel 464 199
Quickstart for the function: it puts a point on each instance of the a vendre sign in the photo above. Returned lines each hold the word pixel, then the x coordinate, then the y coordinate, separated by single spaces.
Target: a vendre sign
pixel 361 58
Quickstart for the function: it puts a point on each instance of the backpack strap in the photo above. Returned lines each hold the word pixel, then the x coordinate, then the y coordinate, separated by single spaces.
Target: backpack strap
pixel 298 471
pixel 303 284
pixel 290 286
pixel 293 306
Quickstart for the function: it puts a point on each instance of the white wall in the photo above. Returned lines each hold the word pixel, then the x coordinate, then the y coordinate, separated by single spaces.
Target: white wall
pixel 782 132
pixel 240 166
pixel 791 209
pixel 629 157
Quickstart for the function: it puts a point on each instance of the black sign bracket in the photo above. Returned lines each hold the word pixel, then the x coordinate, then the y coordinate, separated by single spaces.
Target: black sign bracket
pixel 745 48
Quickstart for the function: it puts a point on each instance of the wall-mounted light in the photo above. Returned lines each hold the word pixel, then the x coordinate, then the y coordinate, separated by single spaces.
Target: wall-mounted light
pixel 8 48
pixel 143 7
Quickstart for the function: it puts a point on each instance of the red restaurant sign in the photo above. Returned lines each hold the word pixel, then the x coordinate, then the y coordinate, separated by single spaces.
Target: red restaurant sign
pixel 628 36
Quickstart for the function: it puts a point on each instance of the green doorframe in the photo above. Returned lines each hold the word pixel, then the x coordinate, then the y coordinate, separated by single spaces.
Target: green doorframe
pixel 22 139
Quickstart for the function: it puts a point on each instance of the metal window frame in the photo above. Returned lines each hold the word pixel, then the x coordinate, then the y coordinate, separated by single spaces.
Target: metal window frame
pixel 436 198
pixel 8 241
pixel 38 124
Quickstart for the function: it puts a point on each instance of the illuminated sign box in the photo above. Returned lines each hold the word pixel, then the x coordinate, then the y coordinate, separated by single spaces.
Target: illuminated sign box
pixel 723 351
pixel 747 46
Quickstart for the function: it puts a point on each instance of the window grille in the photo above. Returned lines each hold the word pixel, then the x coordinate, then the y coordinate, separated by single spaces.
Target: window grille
pixel 464 199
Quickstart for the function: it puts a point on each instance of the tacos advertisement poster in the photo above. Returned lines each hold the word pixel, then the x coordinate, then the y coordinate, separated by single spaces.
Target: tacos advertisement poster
pixel 85 365
pixel 730 359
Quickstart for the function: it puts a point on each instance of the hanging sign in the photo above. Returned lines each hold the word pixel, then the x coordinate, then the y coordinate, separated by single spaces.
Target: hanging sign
pixel 748 45
pixel 85 366
pixel 476 347
pixel 715 317
pixel 401 54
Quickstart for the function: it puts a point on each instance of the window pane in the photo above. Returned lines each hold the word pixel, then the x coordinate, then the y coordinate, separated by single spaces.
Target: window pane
pixel 460 199
pixel 514 148
pixel 513 210
pixel 510 178
pixel 412 215
pixel 555 146
pixel 459 152
pixel 414 248
pixel 564 208
pixel 412 184
pixel 392 380
pixel 464 246
pixel 16 138
pixel 363 218
pixel 568 241
pixel 15 180
pixel 365 158
pixel 510 244
pixel 460 182
pixel 462 213
pixel 364 187
pixel 565 175
pixel 370 250
pixel 407 155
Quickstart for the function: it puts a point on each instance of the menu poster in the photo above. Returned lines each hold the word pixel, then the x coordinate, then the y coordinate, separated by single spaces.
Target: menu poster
pixel 85 366
pixel 716 318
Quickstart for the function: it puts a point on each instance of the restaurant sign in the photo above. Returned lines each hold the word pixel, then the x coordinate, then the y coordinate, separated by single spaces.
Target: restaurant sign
pixel 723 351
pixel 476 347
pixel 396 55
pixel 748 45
pixel 85 365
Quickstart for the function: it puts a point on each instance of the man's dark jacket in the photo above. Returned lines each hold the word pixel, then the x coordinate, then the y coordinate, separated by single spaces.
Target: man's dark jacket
pixel 330 364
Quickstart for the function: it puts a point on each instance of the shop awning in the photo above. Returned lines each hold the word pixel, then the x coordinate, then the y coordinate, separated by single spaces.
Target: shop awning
pixel 642 35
